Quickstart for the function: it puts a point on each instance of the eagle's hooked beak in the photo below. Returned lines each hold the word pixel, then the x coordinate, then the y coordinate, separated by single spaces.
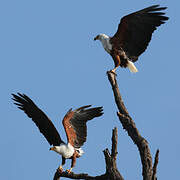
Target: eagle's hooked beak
pixel 52 148
pixel 96 38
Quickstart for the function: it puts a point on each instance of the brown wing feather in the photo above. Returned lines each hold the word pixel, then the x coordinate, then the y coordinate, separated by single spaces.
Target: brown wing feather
pixel 74 124
pixel 135 30
pixel 70 132
pixel 44 124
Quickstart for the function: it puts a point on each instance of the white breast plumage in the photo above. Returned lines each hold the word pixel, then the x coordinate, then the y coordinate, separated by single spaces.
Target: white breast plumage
pixel 66 150
pixel 107 46
pixel 106 43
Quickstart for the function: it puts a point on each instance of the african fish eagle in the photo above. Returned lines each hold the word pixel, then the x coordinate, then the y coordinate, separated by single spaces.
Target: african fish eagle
pixel 74 123
pixel 133 36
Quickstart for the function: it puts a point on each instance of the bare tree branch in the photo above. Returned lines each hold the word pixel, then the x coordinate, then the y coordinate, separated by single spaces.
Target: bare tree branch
pixel 112 172
pixel 155 165
pixel 114 144
pixel 72 175
pixel 129 125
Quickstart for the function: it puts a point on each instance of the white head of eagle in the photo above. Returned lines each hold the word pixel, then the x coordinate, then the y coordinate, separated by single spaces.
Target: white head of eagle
pixel 133 36
pixel 74 123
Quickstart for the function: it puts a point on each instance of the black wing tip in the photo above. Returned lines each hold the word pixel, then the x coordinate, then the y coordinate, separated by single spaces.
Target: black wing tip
pixel 14 97
pixel 87 106
pixel 21 100
pixel 100 110
pixel 17 100
pixel 165 18
pixel 153 8
pixel 18 95
pixel 83 107
pixel 97 111
pixel 156 6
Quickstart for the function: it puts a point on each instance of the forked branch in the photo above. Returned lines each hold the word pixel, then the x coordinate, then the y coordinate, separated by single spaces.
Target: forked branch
pixel 128 124
pixel 112 172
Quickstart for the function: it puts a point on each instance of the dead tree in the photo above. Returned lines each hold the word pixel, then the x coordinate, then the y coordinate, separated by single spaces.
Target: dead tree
pixel 112 173
pixel 148 172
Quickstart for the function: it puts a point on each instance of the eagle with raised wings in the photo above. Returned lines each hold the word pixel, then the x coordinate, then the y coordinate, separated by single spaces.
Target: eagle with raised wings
pixel 74 123
pixel 133 36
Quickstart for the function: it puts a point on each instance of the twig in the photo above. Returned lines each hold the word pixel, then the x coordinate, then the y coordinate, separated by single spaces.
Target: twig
pixel 156 160
pixel 112 172
pixel 114 144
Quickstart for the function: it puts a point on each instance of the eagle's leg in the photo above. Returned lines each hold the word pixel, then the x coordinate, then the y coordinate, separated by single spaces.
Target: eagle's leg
pixel 62 164
pixel 117 63
pixel 73 162
pixel 114 70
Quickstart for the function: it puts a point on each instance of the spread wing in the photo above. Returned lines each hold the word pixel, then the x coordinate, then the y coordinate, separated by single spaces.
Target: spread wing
pixel 75 121
pixel 135 30
pixel 44 124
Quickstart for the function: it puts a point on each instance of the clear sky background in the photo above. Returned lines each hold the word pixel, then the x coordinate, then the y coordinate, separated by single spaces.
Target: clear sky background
pixel 47 52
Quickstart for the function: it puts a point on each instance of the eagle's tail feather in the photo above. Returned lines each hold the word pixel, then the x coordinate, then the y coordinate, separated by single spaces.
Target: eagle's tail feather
pixel 132 67
pixel 80 151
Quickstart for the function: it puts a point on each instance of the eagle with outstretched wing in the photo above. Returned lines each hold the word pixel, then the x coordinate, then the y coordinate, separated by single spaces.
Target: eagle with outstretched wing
pixel 74 123
pixel 133 36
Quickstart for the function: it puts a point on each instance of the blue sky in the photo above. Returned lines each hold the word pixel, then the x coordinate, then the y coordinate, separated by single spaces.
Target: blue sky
pixel 47 52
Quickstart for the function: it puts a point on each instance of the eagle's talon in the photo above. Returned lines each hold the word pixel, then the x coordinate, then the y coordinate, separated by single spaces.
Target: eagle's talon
pixel 113 72
pixel 60 169
pixel 69 171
